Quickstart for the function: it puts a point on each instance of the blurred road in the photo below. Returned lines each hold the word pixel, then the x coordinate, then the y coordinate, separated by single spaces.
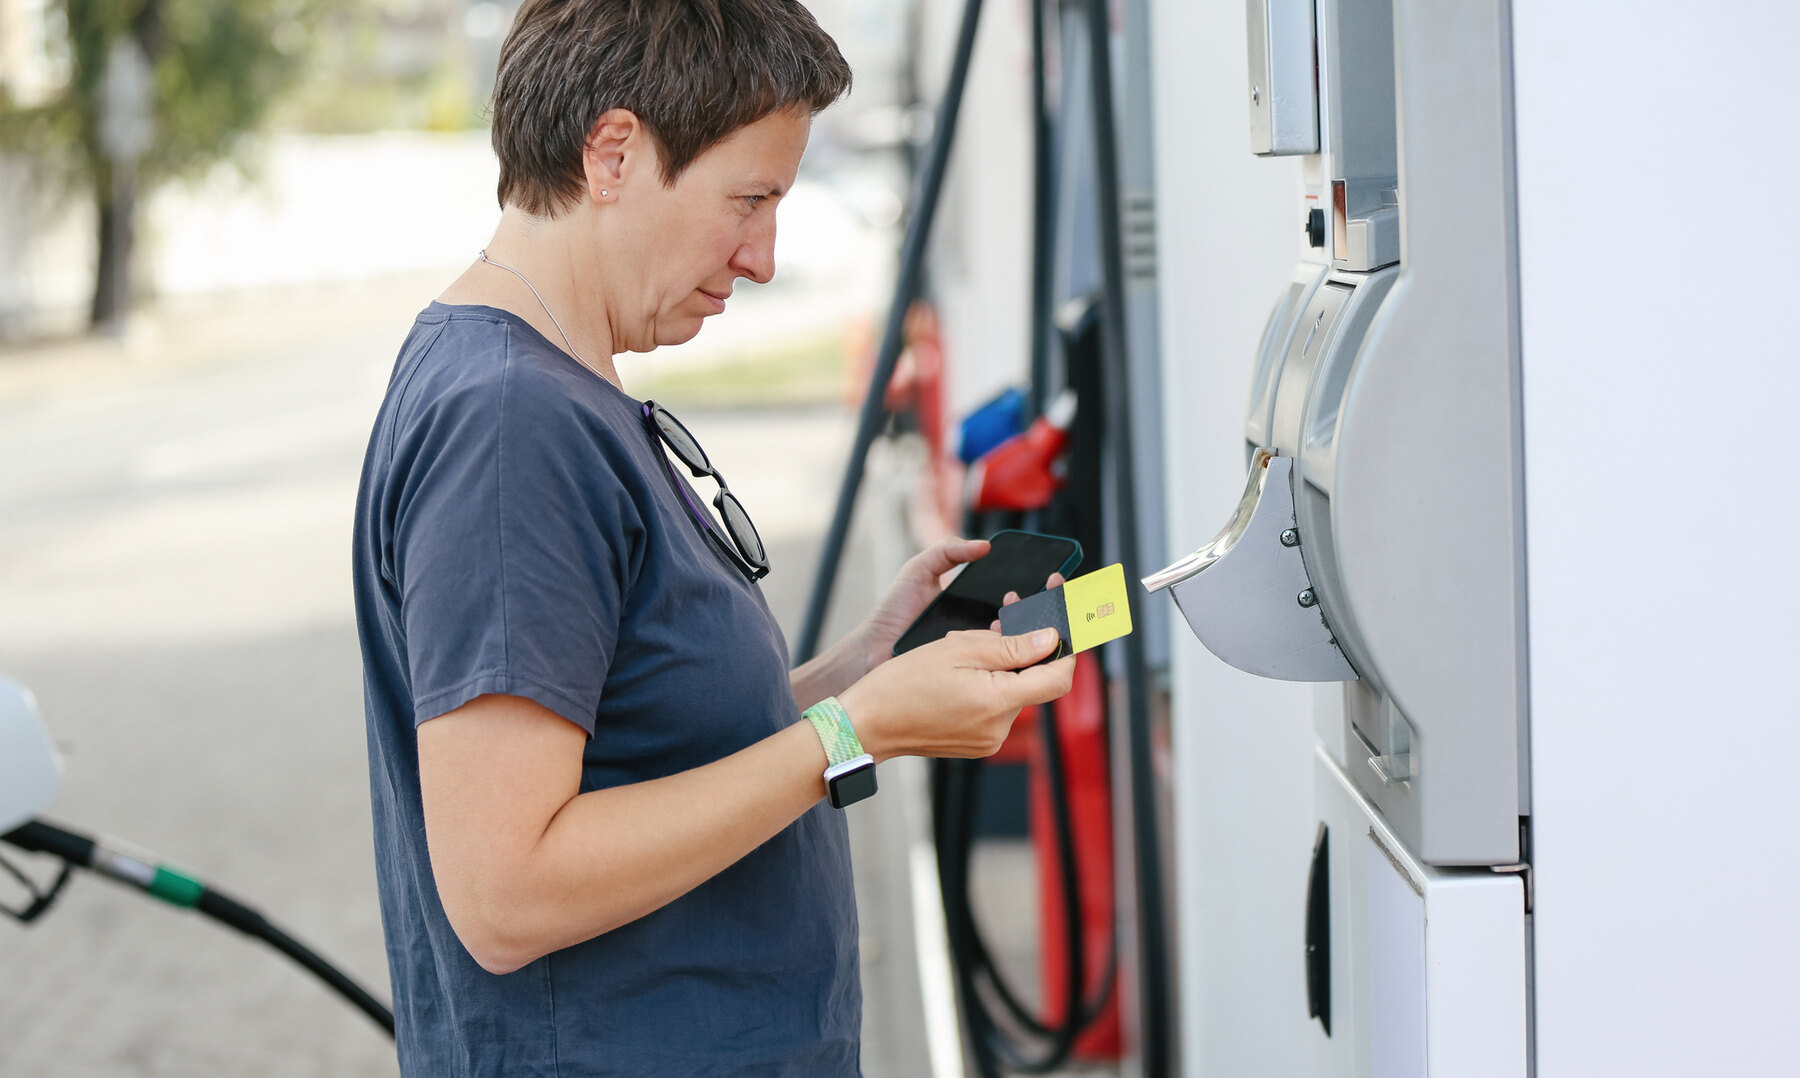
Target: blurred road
pixel 174 585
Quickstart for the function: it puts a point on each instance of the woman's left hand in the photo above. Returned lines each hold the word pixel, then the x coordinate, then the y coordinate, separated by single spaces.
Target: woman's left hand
pixel 919 582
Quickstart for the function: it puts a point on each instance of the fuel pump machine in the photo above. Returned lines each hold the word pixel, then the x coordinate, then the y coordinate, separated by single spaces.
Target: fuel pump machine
pixel 1378 543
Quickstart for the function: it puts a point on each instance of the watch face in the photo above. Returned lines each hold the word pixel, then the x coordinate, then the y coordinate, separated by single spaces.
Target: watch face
pixel 851 786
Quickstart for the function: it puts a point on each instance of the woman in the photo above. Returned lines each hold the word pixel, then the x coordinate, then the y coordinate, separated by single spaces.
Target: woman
pixel 600 835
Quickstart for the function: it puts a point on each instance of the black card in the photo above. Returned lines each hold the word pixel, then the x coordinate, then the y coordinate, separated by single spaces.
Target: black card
pixel 1045 610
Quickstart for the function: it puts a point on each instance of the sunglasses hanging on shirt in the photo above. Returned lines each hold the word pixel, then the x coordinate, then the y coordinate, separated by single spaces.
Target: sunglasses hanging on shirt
pixel 745 550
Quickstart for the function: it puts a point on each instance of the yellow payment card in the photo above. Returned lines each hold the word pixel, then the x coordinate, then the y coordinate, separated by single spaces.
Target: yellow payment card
pixel 1086 612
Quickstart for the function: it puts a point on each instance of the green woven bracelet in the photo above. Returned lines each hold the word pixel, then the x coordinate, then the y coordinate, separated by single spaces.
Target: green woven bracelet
pixel 835 731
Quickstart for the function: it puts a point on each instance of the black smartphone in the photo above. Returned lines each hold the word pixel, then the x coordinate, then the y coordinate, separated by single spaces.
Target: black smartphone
pixel 1016 561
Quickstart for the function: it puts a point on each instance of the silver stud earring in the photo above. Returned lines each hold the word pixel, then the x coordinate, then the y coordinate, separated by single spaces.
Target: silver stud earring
pixel 604 192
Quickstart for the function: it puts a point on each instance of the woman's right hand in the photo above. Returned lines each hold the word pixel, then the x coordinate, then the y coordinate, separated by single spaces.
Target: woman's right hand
pixel 954 697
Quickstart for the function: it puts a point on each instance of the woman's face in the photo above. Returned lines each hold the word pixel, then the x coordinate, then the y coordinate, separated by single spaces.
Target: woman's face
pixel 691 242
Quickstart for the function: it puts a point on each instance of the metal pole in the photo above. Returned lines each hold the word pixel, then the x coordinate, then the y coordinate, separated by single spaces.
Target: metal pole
pixel 1043 202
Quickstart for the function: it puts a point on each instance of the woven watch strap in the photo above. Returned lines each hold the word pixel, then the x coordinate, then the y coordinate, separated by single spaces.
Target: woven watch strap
pixel 835 731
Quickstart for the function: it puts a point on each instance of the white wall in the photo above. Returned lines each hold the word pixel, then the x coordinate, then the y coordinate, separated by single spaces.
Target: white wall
pixel 1227 240
pixel 1656 157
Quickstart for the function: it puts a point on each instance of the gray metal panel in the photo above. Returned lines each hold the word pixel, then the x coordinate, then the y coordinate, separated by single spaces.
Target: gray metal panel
pixel 1077 227
pixel 1283 93
pixel 1317 320
pixel 1336 344
pixel 1143 329
pixel 1426 513
pixel 1360 89
pixel 1256 27
pixel 1341 340
pixel 1359 98
pixel 1278 333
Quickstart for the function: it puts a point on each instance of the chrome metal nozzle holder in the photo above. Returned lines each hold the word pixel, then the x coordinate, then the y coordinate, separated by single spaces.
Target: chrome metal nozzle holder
pixel 1246 594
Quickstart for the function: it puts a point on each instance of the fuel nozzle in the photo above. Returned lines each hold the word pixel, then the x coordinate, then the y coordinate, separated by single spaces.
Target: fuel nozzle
pixel 1023 472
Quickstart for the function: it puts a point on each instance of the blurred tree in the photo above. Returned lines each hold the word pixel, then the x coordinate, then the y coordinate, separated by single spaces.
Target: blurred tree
pixel 400 65
pixel 214 69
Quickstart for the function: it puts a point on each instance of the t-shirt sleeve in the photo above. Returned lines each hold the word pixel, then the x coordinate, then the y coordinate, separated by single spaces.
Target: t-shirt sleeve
pixel 512 546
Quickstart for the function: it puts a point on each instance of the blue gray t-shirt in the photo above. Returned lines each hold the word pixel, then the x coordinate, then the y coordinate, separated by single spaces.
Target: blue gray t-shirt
pixel 518 532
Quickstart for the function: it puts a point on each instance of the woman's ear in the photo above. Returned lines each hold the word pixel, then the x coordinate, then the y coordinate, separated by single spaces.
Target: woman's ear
pixel 616 147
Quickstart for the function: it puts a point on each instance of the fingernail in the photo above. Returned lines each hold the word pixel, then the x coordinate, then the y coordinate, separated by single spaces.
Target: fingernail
pixel 1043 638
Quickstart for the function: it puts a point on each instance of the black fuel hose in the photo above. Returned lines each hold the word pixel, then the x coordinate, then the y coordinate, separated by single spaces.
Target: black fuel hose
pixel 180 889
pixel 1152 949
pixel 955 792
pixel 1043 212
pixel 906 288
pixel 1026 1043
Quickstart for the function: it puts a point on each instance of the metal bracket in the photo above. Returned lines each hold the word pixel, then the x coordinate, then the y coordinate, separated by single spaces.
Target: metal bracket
pixel 1244 593
pixel 1523 871
pixel 1392 770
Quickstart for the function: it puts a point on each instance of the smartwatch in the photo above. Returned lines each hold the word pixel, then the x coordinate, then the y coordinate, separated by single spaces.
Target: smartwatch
pixel 850 774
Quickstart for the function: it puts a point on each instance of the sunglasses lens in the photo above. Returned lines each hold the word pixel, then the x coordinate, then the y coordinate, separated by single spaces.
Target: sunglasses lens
pixel 681 441
pixel 738 523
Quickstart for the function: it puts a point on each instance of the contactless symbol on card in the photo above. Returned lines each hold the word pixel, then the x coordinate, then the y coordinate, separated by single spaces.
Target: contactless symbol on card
pixel 1086 612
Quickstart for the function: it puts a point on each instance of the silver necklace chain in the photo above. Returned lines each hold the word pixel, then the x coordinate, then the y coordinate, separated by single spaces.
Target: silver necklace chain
pixel 565 336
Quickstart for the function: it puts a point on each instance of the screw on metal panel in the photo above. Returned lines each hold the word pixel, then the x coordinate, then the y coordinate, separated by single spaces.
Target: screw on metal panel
pixel 1307 598
pixel 1255 95
pixel 1290 537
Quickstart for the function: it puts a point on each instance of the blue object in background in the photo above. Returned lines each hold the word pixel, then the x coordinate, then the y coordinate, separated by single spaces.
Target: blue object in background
pixel 992 423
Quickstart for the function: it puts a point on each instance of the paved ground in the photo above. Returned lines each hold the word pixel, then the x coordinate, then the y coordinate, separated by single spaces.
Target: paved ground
pixel 174 523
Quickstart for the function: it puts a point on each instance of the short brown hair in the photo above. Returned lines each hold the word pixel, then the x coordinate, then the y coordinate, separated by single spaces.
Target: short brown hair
pixel 693 71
